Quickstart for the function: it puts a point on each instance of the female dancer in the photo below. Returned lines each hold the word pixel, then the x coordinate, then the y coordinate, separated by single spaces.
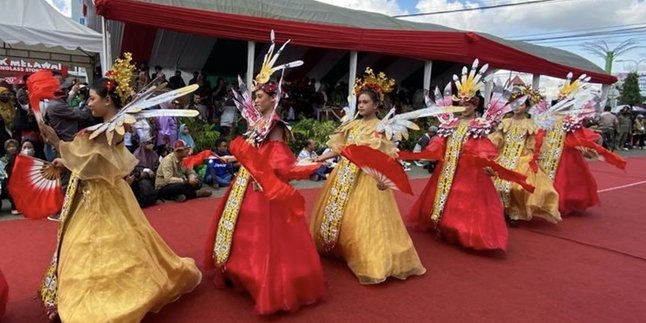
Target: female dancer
pixel 110 265
pixel 253 244
pixel 461 202
pixel 516 140
pixel 355 218
pixel 566 144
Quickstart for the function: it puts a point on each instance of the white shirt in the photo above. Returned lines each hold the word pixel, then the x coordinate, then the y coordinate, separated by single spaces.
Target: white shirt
pixel 304 154
pixel 228 117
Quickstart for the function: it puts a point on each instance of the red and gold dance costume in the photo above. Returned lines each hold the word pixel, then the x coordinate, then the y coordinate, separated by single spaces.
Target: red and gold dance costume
pixel 460 200
pixel 563 161
pixel 356 221
pixel 4 294
pixel 109 265
pixel 255 243
pixel 516 142
pixel 255 246
pixel 565 144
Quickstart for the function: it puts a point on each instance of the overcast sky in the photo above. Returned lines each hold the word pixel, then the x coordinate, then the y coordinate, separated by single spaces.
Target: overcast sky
pixel 548 19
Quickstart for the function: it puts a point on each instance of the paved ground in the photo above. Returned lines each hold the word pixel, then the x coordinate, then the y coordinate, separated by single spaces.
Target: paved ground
pixel 416 172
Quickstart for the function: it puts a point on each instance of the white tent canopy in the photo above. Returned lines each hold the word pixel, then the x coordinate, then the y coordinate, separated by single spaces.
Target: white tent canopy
pixel 35 22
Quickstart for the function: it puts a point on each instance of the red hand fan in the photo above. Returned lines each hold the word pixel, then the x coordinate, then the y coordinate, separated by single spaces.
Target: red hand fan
pixel 385 169
pixel 41 85
pixel 35 187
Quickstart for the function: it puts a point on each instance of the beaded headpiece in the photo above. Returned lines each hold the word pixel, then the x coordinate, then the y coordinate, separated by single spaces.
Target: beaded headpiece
pixel 380 84
pixel 120 76
pixel 532 94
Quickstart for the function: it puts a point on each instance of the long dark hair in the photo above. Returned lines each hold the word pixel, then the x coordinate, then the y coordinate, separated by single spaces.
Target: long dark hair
pixel 105 87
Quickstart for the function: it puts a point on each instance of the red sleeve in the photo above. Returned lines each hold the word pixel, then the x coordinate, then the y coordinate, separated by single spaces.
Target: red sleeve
pixel 283 161
pixel 433 151
pixel 585 138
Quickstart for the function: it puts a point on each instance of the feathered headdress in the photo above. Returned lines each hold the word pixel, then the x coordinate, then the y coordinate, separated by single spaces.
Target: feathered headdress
pixel 468 84
pixel 258 126
pixel 379 83
pixel 570 88
pixel 121 73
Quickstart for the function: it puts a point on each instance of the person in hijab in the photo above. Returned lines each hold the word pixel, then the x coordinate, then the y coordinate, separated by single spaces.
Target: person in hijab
pixel 185 134
pixel 142 178
pixel 11 149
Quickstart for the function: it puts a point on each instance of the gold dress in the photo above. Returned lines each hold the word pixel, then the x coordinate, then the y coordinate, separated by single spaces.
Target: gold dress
pixel 515 140
pixel 356 221
pixel 110 265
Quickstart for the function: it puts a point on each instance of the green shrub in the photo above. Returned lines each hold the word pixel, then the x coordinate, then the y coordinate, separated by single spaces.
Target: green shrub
pixel 305 129
pixel 204 134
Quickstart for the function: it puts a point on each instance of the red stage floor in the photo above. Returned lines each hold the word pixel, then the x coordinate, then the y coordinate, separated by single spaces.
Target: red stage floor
pixel 589 268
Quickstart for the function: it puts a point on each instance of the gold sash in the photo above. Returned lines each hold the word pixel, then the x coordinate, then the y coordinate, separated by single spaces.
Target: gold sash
pixel 514 144
pixel 336 202
pixel 49 286
pixel 551 155
pixel 227 223
pixel 444 183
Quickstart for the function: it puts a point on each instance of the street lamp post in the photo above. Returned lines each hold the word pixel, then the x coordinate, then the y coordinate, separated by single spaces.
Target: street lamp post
pixel 633 61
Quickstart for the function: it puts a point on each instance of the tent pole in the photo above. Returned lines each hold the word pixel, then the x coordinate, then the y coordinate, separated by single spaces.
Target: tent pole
pixel 251 57
pixel 605 90
pixel 536 81
pixel 106 56
pixel 352 75
pixel 428 68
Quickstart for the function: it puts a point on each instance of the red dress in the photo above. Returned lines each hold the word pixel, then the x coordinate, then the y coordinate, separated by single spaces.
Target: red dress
pixel 4 294
pixel 573 180
pixel 271 257
pixel 473 214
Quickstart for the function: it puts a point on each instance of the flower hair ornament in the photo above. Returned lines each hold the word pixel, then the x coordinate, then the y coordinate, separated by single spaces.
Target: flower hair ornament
pixel 258 126
pixel 532 95
pixel 380 84
pixel 121 73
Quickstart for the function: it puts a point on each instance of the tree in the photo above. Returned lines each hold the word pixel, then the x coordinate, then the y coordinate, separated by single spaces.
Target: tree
pixel 602 50
pixel 630 90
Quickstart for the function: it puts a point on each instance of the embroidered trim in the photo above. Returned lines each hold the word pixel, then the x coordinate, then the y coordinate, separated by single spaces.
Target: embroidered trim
pixel 551 155
pixel 49 287
pixel 514 144
pixel 444 183
pixel 336 202
pixel 227 223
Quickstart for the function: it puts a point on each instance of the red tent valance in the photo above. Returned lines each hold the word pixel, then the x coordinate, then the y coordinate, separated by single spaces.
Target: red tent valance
pixel 456 46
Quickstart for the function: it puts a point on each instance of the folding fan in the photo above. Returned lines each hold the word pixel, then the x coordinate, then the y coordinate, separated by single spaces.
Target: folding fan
pixel 385 169
pixel 35 187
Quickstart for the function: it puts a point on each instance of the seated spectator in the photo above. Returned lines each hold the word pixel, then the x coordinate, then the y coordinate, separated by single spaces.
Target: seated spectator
pixel 142 178
pixel 185 135
pixel 218 172
pixel 173 181
pixel 309 154
pixel 7 161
